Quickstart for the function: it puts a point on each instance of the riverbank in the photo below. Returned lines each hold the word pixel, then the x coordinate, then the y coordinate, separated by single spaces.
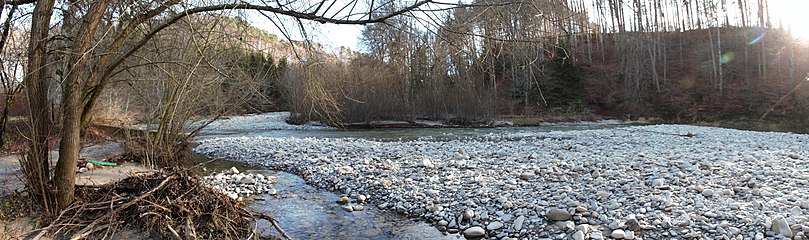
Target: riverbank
pixel 665 181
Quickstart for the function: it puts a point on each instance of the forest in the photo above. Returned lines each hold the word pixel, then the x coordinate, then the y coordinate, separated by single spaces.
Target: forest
pixel 677 60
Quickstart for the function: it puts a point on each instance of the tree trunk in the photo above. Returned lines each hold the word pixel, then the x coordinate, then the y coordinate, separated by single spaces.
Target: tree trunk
pixel 36 165
pixel 70 145
pixel 8 83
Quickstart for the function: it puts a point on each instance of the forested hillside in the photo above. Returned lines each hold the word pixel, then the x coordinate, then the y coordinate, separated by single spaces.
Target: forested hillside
pixel 692 60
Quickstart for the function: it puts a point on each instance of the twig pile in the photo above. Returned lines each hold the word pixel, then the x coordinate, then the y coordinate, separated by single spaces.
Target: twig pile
pixel 167 205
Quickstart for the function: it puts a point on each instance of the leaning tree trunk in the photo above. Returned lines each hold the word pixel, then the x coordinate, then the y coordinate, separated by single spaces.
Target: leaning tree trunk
pixel 70 145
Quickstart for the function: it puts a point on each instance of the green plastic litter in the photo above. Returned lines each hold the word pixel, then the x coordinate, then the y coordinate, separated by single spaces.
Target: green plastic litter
pixel 102 163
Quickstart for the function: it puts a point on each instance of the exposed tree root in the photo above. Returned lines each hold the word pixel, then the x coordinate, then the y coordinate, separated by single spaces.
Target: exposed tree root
pixel 169 205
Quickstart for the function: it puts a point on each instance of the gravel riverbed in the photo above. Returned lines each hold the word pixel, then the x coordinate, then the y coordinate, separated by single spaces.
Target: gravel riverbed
pixel 642 182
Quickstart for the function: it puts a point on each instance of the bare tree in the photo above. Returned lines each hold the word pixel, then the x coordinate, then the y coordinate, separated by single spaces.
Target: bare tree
pixel 99 49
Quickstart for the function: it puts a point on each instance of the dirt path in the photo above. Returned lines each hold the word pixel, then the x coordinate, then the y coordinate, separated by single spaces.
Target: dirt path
pixel 11 175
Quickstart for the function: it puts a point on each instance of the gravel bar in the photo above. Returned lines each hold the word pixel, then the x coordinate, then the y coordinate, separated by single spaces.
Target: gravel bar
pixel 641 182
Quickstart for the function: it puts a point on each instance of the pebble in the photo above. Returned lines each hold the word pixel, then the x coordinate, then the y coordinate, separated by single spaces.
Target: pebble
pixel 596 235
pixel 584 228
pixel 468 214
pixel 632 224
pixel 385 183
pixel 235 183
pixel 677 187
pixel 427 163
pixel 345 170
pixel 658 182
pixel 557 214
pixel 578 235
pixel 518 223
pixel 474 232
pixel 629 235
pixel 348 208
pixel 618 234
pixel 342 200
pixel 494 226
pixel 781 226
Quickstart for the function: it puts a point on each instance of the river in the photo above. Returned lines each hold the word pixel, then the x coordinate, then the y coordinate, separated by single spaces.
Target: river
pixel 307 212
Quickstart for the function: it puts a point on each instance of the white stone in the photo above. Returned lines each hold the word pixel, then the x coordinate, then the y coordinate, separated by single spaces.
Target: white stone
pixel 519 222
pixel 584 228
pixel 427 163
pixel 658 182
pixel 578 235
pixel 345 170
pixel 781 226
pixel 618 234
pixel 629 234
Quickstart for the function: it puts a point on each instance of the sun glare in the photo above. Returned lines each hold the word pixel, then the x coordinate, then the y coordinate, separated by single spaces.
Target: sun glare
pixel 793 15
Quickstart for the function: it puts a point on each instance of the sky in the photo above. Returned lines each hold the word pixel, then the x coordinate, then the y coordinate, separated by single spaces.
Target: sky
pixel 793 14
pixel 328 34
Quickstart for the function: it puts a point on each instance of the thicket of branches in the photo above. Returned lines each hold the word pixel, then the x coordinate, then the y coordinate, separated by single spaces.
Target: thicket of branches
pixel 170 57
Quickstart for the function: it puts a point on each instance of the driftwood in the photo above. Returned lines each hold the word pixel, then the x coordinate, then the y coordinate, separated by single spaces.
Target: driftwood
pixel 170 205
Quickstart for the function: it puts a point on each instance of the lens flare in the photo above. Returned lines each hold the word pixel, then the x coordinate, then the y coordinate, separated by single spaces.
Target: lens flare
pixel 727 57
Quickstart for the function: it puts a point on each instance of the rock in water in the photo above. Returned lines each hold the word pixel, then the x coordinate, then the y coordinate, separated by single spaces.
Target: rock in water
pixel 781 226
pixel 618 234
pixel 348 208
pixel 474 232
pixel 557 214
pixel 343 200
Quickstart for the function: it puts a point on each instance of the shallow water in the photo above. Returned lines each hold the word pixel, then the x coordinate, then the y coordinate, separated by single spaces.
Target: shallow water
pixel 306 212
pixel 404 134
